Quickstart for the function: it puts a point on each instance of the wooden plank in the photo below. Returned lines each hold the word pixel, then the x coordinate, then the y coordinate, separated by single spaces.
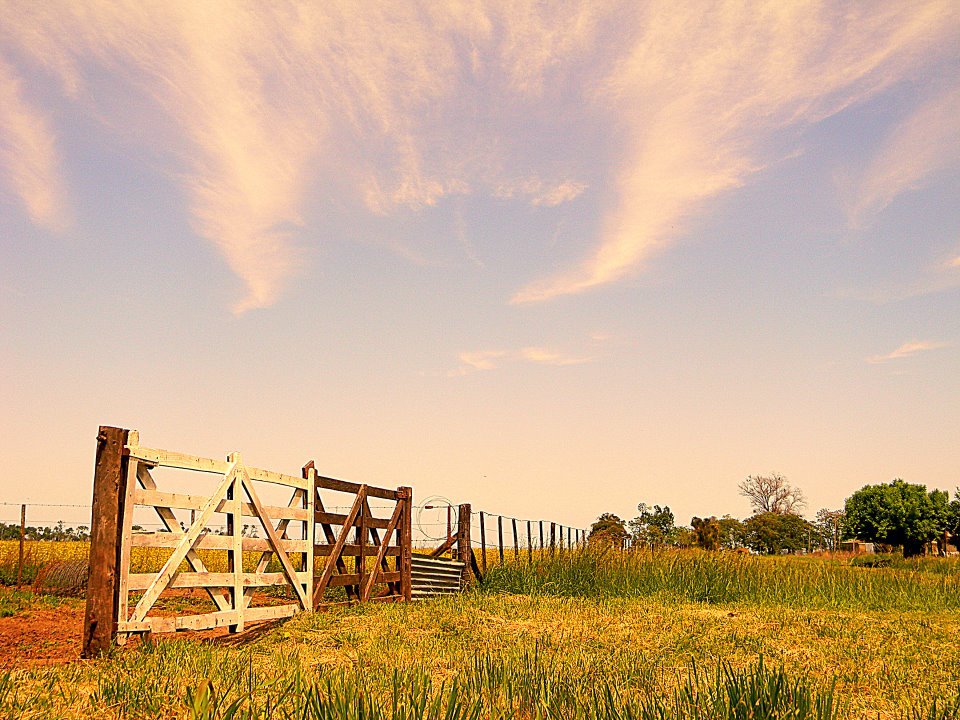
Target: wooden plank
pixel 444 546
pixel 235 531
pixel 310 529
pixel 351 550
pixel 354 488
pixel 215 542
pixel 382 552
pixel 126 531
pixel 141 581
pixel 275 542
pixel 340 518
pixel 184 501
pixel 100 615
pixel 355 578
pixel 185 545
pixel 360 536
pixel 167 458
pixel 335 554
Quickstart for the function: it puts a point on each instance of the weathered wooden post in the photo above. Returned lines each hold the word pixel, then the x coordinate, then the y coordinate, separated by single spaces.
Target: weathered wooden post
pixel 516 540
pixel 500 536
pixel 464 548
pixel 103 584
pixel 23 536
pixel 553 538
pixel 483 544
pixel 405 496
pixel 529 544
pixel 541 535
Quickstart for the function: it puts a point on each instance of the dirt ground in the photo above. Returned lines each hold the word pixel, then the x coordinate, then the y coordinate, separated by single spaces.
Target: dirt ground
pixel 45 636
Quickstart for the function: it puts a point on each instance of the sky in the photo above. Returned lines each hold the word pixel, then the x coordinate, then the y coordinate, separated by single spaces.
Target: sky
pixel 552 259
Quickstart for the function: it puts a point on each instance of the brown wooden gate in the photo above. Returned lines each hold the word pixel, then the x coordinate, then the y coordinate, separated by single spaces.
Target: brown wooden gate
pixel 121 602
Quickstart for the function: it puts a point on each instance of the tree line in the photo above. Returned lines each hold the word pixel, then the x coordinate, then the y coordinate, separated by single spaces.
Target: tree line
pixel 897 514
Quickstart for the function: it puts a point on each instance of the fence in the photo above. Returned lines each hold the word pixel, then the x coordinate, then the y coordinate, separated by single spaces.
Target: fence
pixel 124 479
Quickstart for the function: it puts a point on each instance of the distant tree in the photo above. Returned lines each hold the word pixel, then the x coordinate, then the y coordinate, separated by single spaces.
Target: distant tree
pixel 953 519
pixel 731 532
pixel 773 533
pixel 684 537
pixel 707 532
pixel 653 526
pixel 898 513
pixel 772 493
pixel 828 528
pixel 609 529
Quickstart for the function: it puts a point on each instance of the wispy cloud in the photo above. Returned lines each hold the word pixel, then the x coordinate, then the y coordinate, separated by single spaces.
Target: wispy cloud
pixel 480 360
pixel 926 143
pixel 699 92
pixel 906 350
pixel 539 192
pixel 28 157
pixel 400 104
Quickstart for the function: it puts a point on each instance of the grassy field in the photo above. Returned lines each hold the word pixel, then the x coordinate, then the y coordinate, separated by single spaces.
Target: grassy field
pixel 591 635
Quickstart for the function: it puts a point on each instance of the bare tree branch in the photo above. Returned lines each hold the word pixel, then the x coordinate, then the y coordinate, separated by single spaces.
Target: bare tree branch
pixel 772 494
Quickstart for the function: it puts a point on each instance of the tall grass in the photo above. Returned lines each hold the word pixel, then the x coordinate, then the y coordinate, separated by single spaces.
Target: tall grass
pixel 691 575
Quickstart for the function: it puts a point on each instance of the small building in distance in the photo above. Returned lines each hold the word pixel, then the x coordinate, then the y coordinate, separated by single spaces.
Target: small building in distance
pixel 857 547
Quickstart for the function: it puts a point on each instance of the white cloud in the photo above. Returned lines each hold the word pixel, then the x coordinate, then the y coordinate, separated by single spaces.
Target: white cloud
pixel 907 350
pixel 480 360
pixel 28 157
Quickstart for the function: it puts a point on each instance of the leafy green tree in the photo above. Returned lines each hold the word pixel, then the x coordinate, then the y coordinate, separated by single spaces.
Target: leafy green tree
pixel 732 533
pixel 707 532
pixel 898 513
pixel 654 525
pixel 773 533
pixel 609 529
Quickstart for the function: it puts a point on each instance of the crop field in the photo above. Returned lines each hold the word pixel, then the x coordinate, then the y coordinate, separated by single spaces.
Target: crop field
pixel 586 634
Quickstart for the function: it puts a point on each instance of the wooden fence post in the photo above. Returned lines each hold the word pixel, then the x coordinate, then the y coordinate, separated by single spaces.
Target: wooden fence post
pixel 464 548
pixel 541 534
pixel 405 496
pixel 500 536
pixel 529 544
pixel 23 534
pixel 103 585
pixel 516 540
pixel 483 544
pixel 553 538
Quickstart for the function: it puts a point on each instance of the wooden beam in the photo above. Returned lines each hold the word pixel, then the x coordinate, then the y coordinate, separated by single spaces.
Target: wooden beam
pixel 109 475
pixel 351 487
pixel 464 545
pixel 321 585
pixel 405 563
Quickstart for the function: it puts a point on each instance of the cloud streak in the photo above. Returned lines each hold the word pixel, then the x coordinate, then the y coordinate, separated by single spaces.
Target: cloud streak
pixel 28 156
pixel 482 360
pixel 907 350
pixel 700 92
pixel 253 107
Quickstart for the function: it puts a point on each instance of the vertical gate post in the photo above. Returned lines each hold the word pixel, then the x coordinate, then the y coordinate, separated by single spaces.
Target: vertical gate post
pixel 483 543
pixel 23 535
pixel 405 496
pixel 103 585
pixel 464 548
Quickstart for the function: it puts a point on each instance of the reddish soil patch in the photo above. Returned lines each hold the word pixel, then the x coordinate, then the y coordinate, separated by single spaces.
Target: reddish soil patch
pixel 50 636
pixel 41 637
